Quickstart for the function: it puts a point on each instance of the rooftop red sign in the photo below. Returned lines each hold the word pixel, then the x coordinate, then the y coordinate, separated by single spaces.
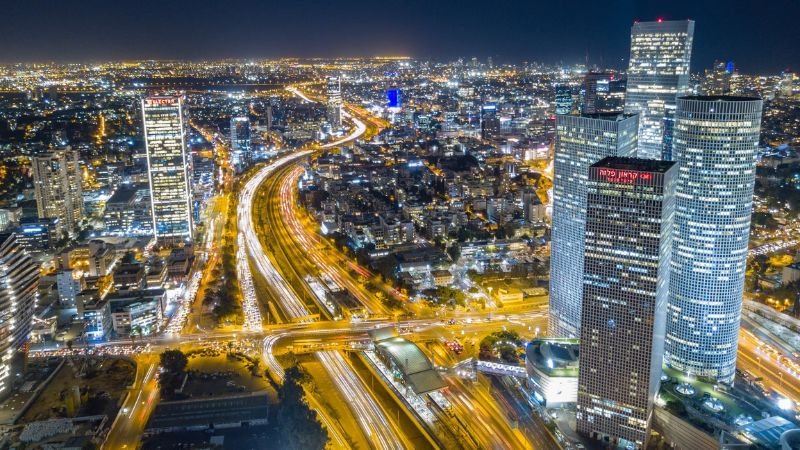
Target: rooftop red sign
pixel 624 176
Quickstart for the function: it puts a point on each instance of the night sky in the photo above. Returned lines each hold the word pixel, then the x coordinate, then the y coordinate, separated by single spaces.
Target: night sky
pixel 761 36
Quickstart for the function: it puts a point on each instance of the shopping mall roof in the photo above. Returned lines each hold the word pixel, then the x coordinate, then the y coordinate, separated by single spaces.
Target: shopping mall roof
pixel 416 369
pixel 555 357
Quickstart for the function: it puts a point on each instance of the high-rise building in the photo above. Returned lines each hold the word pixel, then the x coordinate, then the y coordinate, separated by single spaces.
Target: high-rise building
pixel 717 80
pixel 241 154
pixel 629 212
pixel 334 112
pixel 657 73
pixel 563 99
pixel 57 186
pixel 168 168
pixel 580 142
pixel 604 92
pixel 20 275
pixel 490 123
pixel 716 139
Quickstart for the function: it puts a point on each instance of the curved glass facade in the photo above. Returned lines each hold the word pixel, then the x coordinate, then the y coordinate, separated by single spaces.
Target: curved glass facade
pixel 715 144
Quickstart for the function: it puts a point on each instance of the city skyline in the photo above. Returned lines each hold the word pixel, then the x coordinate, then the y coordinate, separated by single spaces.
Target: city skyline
pixel 525 32
pixel 431 248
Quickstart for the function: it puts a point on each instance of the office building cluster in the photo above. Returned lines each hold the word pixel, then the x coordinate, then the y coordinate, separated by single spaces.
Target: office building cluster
pixel 651 224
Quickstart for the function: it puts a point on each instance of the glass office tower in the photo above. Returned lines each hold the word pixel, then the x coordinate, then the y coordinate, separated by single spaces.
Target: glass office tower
pixel 335 103
pixel 629 212
pixel 716 139
pixel 168 169
pixel 241 154
pixel 658 72
pixel 580 142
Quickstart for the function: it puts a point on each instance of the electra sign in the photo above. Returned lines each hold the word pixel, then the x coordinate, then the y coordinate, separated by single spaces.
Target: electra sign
pixel 624 176
pixel 161 101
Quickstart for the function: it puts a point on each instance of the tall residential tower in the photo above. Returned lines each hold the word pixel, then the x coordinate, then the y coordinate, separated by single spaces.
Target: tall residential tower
pixel 629 212
pixel 168 168
pixel 716 139
pixel 580 142
pixel 658 72
pixel 57 182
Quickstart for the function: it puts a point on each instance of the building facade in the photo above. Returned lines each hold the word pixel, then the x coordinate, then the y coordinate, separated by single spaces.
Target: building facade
pixel 334 106
pixel 716 140
pixel 658 72
pixel 629 214
pixel 580 142
pixel 168 168
pixel 57 186
pixel 604 92
pixel 20 278
pixel 241 154
pixel 563 99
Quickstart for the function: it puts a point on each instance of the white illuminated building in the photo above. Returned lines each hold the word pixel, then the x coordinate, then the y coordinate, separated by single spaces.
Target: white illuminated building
pixel 580 142
pixel 241 144
pixel 168 169
pixel 658 72
pixel 19 280
pixel 334 106
pixel 716 139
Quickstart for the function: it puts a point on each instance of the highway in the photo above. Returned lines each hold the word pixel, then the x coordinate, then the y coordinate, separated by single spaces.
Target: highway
pixel 372 418
pixel 775 375
pixel 380 431
pixel 300 244
pixel 126 430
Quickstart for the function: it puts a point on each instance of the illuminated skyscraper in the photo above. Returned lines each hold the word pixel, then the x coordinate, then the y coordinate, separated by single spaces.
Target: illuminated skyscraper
pixel 334 112
pixel 20 277
pixel 490 123
pixel 604 93
pixel 629 212
pixel 716 139
pixel 57 179
pixel 241 154
pixel 168 168
pixel 657 73
pixel 580 142
pixel 563 99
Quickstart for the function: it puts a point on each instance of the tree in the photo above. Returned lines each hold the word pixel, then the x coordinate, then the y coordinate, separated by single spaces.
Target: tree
pixel 780 260
pixel 300 428
pixel 173 361
pixel 454 251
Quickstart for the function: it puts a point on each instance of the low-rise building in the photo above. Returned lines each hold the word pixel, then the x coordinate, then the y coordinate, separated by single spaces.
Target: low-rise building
pixel 552 367
pixel 138 312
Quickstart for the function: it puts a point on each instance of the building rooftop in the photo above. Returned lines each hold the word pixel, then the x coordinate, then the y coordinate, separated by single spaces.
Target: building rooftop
pixel 417 370
pixel 203 412
pixel 555 357
pixel 719 98
pixel 642 165
pixel 124 195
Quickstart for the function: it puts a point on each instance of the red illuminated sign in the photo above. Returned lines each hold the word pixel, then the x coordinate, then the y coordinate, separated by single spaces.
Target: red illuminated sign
pixel 161 101
pixel 624 176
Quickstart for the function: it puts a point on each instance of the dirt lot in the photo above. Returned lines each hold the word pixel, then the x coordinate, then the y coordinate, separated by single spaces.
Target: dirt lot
pixel 217 373
pixel 101 382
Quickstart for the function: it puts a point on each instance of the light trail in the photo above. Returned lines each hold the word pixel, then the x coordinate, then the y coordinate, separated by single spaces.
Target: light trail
pixel 312 245
pixel 375 424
